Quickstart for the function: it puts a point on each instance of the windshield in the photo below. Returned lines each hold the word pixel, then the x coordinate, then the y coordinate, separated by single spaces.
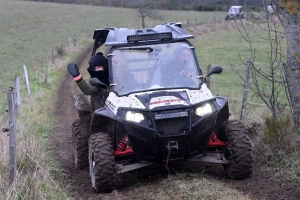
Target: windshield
pixel 148 67
pixel 235 10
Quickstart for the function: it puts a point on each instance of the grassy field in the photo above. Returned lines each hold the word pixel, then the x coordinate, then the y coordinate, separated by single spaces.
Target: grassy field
pixel 29 31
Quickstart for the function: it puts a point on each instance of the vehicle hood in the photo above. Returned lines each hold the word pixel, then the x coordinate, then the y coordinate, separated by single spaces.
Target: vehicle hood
pixel 159 98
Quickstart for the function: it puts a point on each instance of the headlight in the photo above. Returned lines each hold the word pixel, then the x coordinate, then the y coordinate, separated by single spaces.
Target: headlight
pixel 204 109
pixel 134 116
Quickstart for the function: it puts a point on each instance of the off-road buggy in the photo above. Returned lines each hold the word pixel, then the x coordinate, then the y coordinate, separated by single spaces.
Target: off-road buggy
pixel 234 13
pixel 143 119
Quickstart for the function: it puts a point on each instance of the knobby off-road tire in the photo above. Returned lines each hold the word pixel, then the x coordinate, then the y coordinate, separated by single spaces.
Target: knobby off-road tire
pixel 239 151
pixel 102 163
pixel 80 146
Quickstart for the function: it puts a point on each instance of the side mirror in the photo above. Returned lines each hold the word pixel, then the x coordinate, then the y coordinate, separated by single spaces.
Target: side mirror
pixel 97 82
pixel 215 70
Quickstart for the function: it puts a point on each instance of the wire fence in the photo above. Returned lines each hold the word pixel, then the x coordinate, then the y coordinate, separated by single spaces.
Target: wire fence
pixel 234 89
pixel 9 122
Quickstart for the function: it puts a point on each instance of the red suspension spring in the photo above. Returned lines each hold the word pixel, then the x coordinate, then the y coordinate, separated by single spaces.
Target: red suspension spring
pixel 123 144
pixel 124 147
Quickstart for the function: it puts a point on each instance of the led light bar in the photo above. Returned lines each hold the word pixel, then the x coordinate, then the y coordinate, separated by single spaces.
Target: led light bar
pixel 171 115
pixel 147 37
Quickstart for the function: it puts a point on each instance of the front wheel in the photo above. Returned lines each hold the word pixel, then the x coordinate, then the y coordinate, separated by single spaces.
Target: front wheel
pixel 102 163
pixel 239 151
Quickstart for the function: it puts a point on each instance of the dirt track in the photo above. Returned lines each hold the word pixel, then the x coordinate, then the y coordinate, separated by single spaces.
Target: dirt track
pixel 257 187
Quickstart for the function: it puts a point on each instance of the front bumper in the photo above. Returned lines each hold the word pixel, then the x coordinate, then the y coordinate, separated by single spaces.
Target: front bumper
pixel 173 139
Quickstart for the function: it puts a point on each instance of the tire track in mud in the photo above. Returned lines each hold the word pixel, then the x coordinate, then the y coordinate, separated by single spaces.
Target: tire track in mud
pixel 61 137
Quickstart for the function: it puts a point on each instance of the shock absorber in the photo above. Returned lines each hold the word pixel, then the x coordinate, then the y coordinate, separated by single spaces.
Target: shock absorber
pixel 215 142
pixel 123 147
pixel 123 144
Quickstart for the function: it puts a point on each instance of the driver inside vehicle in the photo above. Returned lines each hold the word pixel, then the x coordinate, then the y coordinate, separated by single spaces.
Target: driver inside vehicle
pixel 179 68
pixel 183 59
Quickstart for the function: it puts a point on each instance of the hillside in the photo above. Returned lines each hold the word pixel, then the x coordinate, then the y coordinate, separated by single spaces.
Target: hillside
pixel 162 4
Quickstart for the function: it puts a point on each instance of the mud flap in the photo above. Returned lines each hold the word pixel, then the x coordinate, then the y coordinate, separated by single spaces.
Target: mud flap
pixel 82 102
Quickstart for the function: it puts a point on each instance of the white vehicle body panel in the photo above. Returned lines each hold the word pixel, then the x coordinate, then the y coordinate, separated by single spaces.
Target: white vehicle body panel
pixel 195 96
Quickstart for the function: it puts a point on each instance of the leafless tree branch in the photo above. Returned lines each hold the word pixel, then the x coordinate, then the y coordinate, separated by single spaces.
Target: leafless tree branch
pixel 270 94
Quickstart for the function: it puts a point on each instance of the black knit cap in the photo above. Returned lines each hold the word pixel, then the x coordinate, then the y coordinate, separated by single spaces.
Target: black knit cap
pixel 99 60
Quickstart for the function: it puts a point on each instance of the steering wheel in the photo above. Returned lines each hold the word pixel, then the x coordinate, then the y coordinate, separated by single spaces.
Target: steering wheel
pixel 179 80
pixel 185 73
pixel 171 80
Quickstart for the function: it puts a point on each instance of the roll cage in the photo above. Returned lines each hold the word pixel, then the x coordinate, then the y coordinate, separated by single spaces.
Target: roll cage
pixel 112 36
pixel 123 38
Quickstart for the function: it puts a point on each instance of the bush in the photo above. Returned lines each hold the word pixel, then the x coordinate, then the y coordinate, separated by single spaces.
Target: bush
pixel 60 51
pixel 278 133
pixel 276 150
pixel 201 7
pixel 255 8
pixel 275 144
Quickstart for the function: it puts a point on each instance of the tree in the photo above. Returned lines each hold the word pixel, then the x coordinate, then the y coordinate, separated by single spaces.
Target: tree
pixel 146 9
pixel 268 83
pixel 289 13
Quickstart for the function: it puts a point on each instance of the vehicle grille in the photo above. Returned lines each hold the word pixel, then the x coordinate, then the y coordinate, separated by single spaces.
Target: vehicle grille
pixel 172 126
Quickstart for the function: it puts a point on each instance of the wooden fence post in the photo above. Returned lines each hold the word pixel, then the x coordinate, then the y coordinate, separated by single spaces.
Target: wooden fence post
pixel 12 137
pixel 214 18
pixel 52 54
pixel 36 80
pixel 75 39
pixel 27 81
pixel 208 77
pixel 246 89
pixel 62 50
pixel 47 72
pixel 17 95
pixel 70 42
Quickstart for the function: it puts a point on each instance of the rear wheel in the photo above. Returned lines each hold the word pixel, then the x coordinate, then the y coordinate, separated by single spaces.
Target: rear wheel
pixel 80 145
pixel 239 151
pixel 102 163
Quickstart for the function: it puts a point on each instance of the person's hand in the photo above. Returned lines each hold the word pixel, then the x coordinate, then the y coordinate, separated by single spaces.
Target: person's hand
pixel 73 70
pixel 185 73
